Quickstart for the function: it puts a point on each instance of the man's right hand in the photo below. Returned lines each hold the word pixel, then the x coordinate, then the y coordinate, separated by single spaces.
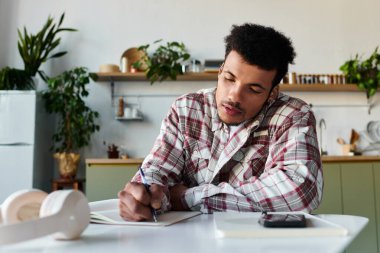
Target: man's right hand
pixel 136 203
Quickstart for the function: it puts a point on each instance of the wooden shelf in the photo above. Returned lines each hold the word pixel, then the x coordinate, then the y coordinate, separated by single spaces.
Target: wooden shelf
pixel 118 76
pixel 319 87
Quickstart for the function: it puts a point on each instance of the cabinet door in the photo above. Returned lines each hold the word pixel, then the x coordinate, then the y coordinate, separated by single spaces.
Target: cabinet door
pixel 105 181
pixel 359 199
pixel 332 190
pixel 376 170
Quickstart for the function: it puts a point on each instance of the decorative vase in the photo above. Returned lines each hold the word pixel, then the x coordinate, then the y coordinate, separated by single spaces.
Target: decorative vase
pixel 68 164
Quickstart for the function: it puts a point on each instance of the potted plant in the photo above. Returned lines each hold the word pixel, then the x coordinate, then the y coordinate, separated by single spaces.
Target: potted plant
pixel 365 73
pixel 165 62
pixel 77 122
pixel 34 49
pixel 15 79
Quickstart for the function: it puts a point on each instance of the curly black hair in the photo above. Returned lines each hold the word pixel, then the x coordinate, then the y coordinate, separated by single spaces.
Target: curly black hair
pixel 261 46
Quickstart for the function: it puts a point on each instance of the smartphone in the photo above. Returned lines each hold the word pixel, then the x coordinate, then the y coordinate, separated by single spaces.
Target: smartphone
pixel 283 220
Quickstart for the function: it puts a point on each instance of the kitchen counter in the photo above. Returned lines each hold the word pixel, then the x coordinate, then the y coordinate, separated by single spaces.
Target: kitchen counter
pixel 105 161
pixel 325 159
pixel 340 159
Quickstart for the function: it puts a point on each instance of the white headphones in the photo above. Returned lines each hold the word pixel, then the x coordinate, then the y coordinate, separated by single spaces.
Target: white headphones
pixel 28 214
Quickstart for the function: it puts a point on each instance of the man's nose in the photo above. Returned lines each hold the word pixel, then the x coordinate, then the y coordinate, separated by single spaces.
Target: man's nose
pixel 236 93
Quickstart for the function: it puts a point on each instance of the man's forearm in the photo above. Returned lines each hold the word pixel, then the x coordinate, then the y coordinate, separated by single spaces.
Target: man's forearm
pixel 271 192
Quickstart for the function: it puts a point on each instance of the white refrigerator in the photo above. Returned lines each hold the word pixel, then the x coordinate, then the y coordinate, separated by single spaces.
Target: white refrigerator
pixel 25 139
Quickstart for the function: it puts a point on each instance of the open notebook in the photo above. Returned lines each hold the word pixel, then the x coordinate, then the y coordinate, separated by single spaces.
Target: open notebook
pixel 235 224
pixel 107 212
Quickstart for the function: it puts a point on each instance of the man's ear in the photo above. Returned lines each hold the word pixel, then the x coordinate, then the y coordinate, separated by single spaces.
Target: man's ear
pixel 274 94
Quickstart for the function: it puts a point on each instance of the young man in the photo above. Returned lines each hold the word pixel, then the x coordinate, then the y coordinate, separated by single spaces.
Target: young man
pixel 242 146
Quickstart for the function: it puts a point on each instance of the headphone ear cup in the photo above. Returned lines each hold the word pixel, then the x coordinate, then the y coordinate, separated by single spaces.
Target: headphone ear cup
pixel 22 205
pixel 72 211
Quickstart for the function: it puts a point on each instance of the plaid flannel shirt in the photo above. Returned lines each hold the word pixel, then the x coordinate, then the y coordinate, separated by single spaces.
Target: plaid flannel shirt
pixel 271 162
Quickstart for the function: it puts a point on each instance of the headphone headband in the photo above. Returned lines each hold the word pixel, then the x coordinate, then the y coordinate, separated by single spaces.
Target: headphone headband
pixel 27 230
pixel 65 213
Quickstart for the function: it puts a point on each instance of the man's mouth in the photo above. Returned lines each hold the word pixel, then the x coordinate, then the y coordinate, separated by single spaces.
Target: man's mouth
pixel 231 110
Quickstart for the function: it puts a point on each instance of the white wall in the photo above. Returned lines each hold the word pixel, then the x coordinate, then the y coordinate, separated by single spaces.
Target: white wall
pixel 5 26
pixel 325 33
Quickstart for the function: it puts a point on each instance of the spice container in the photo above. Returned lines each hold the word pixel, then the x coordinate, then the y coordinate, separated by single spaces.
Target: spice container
pixel 120 107
pixel 124 64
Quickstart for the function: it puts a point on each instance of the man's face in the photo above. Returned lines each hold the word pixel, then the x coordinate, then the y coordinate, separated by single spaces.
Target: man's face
pixel 242 89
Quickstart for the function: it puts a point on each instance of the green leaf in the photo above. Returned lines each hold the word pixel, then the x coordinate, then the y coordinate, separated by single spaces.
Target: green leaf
pixel 66 30
pixel 56 55
pixel 61 19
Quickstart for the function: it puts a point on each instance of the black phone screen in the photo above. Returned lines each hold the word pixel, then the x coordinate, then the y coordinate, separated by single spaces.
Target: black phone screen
pixel 283 220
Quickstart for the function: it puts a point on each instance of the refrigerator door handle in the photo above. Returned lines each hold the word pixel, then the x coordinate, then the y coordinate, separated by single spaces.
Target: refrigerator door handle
pixel 16 144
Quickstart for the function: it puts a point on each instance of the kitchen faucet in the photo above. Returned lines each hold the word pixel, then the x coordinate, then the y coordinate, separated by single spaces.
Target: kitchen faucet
pixel 322 125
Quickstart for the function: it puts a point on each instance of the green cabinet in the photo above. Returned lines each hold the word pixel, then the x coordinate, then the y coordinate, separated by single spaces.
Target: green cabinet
pixel 353 188
pixel 104 180
pixel 359 199
pixel 332 202
pixel 376 170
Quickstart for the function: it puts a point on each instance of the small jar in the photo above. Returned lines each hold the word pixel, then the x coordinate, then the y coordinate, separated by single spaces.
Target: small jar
pixel 195 66
pixel 127 112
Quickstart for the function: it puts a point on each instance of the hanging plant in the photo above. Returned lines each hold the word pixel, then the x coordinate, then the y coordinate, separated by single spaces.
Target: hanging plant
pixel 364 73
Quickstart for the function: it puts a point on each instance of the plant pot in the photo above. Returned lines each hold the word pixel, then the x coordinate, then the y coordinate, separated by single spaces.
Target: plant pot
pixel 68 164
pixel 113 154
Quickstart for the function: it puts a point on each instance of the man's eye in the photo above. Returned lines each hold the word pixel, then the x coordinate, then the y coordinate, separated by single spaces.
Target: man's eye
pixel 255 91
pixel 229 79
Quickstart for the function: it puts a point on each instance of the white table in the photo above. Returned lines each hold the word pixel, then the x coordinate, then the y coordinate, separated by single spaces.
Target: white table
pixel 195 235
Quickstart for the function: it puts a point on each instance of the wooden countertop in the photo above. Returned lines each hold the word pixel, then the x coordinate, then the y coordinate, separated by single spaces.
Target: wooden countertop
pixel 340 159
pixel 325 159
pixel 105 161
